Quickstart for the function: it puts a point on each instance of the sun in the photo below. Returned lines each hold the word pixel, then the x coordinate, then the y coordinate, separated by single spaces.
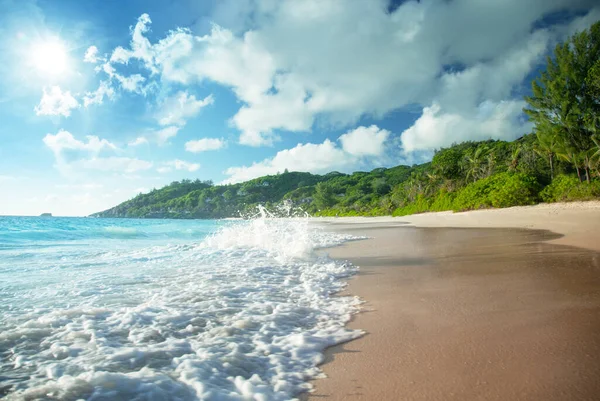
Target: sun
pixel 50 57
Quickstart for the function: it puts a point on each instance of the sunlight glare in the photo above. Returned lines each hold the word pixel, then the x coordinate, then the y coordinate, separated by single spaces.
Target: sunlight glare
pixel 50 57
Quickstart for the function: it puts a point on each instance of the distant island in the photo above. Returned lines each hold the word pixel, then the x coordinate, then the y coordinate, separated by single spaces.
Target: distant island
pixel 46 215
pixel 558 161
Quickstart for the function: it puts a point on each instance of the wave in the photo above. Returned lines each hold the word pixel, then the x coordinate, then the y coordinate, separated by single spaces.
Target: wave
pixel 243 313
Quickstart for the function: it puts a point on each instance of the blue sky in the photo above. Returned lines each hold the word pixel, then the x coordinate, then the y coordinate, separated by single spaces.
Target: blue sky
pixel 100 100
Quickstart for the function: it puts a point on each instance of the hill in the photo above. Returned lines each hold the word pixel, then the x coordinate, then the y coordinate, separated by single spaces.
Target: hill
pixel 465 176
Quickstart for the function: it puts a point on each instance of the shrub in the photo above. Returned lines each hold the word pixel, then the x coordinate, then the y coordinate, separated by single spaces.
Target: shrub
pixel 442 201
pixel 420 205
pixel 499 190
pixel 566 188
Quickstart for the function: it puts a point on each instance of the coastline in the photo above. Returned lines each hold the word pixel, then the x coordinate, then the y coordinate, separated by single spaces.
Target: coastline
pixel 508 310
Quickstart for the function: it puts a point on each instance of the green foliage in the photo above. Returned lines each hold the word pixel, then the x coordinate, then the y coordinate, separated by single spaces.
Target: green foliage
pixel 324 196
pixel 500 190
pixel 420 205
pixel 564 105
pixel 566 188
pixel 443 201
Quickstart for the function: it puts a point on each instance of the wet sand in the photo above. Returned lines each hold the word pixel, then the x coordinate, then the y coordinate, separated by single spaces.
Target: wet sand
pixel 467 314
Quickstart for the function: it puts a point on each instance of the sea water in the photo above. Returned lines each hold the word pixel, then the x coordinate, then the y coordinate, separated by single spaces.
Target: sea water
pixel 122 309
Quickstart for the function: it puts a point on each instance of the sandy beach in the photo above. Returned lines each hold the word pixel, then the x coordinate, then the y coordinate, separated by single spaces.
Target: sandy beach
pixel 484 305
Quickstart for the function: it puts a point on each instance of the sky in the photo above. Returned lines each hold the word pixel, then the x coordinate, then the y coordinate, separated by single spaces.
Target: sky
pixel 103 99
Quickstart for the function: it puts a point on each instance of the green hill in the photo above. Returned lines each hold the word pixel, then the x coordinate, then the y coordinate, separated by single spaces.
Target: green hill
pixel 465 176
pixel 202 199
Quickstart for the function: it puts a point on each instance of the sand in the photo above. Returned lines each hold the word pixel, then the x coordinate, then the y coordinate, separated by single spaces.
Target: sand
pixel 457 313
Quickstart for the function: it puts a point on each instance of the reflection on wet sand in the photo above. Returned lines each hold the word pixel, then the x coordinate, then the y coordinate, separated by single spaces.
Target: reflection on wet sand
pixel 463 314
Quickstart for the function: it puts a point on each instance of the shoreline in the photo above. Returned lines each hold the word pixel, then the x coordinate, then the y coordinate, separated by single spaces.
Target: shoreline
pixel 572 220
pixel 466 306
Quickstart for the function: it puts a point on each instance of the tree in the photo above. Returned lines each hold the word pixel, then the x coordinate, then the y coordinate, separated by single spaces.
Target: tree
pixel 547 146
pixel 380 186
pixel 447 162
pixel 475 163
pixel 565 95
pixel 324 197
pixel 596 153
pixel 513 162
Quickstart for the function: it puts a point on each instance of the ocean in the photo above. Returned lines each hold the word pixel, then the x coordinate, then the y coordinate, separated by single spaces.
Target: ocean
pixel 124 309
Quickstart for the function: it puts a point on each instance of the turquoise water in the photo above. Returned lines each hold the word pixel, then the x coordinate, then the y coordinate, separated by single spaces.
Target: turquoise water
pixel 126 309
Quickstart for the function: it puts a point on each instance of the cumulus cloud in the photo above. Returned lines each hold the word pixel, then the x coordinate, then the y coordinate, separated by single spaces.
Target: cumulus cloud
pixel 140 140
pixel 97 97
pixel 177 109
pixel 365 141
pixel 91 55
pixel 437 128
pixel 204 144
pixel 140 46
pixel 73 155
pixel 131 83
pixel 163 135
pixel 318 158
pixel 160 136
pixel 294 64
pixel 65 141
pixel 178 165
pixel 55 102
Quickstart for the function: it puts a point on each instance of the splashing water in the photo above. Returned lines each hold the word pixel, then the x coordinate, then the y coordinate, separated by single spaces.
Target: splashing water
pixel 156 309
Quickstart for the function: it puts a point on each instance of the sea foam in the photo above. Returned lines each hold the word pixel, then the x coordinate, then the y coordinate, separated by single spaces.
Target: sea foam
pixel 243 314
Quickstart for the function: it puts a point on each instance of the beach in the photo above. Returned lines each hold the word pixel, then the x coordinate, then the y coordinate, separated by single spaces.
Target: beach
pixel 483 305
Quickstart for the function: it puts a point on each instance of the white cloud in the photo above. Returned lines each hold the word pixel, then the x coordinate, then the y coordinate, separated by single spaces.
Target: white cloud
pixel 178 165
pixel 315 158
pixel 65 141
pixel 292 64
pixel 72 155
pixel 131 83
pixel 437 128
pixel 204 144
pixel 318 158
pixel 177 109
pixel 114 163
pixel 140 140
pixel 91 55
pixel 97 97
pixel 365 141
pixel 140 46
pixel 163 135
pixel 55 102
pixel 160 136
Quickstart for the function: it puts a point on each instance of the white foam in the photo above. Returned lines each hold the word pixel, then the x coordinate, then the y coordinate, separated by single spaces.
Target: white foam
pixel 243 315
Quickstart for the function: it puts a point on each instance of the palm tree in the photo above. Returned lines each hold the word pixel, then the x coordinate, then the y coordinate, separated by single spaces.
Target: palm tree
pixel 431 184
pixel 488 168
pixel 513 162
pixel 548 145
pixel 473 163
pixel 415 185
pixel 595 153
pixel 569 154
